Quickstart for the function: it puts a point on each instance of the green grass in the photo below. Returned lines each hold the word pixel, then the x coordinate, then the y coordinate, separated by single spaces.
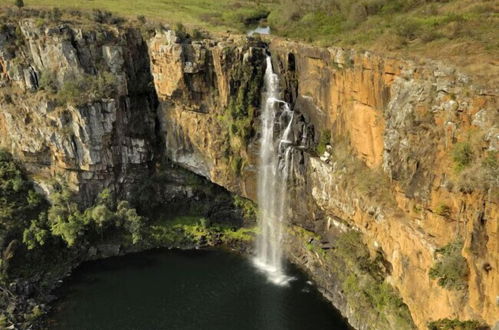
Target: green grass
pixel 216 15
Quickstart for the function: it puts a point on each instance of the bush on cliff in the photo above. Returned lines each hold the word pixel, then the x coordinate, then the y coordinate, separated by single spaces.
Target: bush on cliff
pixel 454 324
pixel 81 89
pixel 245 91
pixel 462 154
pixel 324 140
pixel 362 277
pixel 87 88
pixel 451 269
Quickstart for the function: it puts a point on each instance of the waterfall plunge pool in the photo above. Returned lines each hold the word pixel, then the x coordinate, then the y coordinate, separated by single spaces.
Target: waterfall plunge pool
pixel 184 290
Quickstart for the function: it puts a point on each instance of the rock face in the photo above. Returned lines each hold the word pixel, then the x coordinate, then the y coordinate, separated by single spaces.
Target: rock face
pixel 375 145
pixel 95 141
pixel 198 84
pixel 400 119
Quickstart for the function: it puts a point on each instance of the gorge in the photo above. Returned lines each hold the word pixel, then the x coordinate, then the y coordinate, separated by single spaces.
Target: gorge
pixel 377 172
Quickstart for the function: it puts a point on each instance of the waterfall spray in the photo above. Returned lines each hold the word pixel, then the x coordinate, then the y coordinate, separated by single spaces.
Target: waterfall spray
pixel 274 166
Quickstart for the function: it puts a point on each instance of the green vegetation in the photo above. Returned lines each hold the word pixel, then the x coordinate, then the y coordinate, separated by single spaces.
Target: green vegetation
pixel 44 241
pixel 474 169
pixel 361 275
pixel 245 92
pixel 81 89
pixel 19 205
pixel 462 155
pixel 324 140
pixel 355 175
pixel 447 324
pixel 19 3
pixel 188 230
pixel 215 15
pixel 462 31
pixel 451 269
pixel 427 27
pixel 76 226
pixel 443 210
pixel 248 208
pixel 365 283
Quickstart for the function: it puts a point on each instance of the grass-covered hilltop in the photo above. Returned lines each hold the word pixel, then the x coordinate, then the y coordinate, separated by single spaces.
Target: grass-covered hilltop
pixel 461 31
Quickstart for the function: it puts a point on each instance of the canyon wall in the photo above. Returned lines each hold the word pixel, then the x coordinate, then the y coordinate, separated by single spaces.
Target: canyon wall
pixel 101 136
pixel 401 121
pixel 374 138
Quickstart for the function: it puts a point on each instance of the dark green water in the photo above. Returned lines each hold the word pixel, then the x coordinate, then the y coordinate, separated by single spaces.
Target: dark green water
pixel 198 290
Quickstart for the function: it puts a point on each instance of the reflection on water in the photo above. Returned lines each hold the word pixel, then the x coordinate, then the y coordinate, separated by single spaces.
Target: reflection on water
pixel 187 290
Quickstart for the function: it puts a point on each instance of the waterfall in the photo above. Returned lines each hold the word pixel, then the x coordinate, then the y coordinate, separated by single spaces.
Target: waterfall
pixel 274 167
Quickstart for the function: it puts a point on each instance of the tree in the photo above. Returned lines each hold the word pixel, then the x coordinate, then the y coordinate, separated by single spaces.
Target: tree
pixel 71 229
pixel 133 222
pixel 19 4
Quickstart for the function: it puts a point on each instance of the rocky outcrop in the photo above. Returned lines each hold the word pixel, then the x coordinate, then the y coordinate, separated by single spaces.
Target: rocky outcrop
pixel 199 85
pixel 402 120
pixel 96 139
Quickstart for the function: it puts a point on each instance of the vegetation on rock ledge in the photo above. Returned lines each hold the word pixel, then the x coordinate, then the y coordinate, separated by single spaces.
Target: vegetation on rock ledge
pixel 361 276
pixel 245 92
pixel 451 269
pixel 448 324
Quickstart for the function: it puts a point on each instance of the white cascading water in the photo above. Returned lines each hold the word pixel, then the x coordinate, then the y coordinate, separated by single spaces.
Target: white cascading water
pixel 274 168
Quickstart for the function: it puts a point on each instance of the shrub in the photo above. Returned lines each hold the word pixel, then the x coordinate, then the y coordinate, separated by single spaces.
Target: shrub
pixel 37 234
pixel 75 226
pixel 87 88
pixel 48 82
pixel 452 269
pixel 448 324
pixel 105 17
pixel 197 34
pixel 19 4
pixel 407 28
pixel 181 31
pixel 462 155
pixel 55 15
pixel 324 140
pixel 248 208
pixel 490 162
pixel 443 210
pixel 365 285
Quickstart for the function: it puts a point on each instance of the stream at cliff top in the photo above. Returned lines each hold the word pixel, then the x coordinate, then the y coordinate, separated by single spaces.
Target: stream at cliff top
pixel 184 290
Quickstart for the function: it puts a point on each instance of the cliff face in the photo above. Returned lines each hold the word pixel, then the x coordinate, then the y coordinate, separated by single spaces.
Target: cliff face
pixel 401 121
pixel 201 87
pixel 89 138
pixel 390 149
